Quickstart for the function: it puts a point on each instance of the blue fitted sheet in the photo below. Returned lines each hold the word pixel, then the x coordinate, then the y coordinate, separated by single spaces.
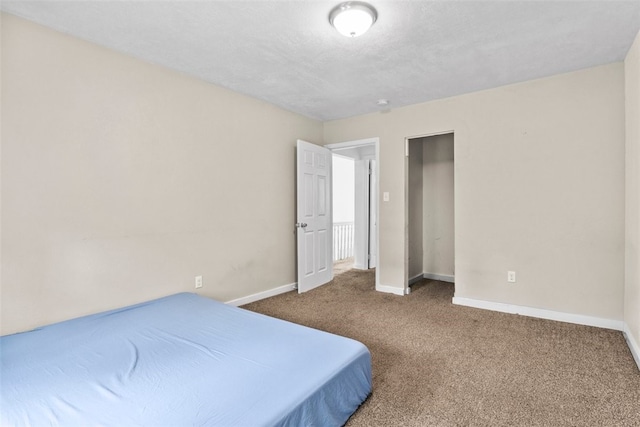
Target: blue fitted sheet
pixel 181 360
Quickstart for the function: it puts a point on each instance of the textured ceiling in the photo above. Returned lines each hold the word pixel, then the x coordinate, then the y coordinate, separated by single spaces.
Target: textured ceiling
pixel 286 53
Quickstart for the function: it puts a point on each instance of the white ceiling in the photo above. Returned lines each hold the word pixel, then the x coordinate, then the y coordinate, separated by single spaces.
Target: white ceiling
pixel 286 52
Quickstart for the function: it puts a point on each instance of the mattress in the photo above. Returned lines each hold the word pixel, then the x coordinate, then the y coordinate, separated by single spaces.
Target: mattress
pixel 181 360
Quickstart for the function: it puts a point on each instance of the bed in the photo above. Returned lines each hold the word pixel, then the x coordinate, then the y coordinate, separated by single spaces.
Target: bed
pixel 181 360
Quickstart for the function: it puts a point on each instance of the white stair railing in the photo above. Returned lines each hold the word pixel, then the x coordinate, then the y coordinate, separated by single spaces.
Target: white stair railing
pixel 342 240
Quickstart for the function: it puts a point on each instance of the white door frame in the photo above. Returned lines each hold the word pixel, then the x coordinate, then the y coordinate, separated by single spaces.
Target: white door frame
pixel 336 147
pixel 373 213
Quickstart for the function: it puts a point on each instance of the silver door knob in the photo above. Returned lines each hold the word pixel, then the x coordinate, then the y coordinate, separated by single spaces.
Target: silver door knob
pixel 301 224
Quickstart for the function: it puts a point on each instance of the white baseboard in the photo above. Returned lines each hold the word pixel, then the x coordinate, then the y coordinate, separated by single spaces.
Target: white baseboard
pixel 440 277
pixel 390 289
pixel 633 345
pixel 541 313
pixel 262 295
pixel 415 279
pixel 432 276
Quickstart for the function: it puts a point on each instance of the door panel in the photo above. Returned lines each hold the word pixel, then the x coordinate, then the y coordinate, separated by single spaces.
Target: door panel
pixel 322 196
pixel 308 201
pixel 322 255
pixel 308 253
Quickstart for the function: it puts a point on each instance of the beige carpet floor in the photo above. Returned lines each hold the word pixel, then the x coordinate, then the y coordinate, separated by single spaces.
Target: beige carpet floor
pixel 343 265
pixel 437 364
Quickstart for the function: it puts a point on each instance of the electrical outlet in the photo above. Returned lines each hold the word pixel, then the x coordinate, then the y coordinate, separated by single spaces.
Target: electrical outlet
pixel 511 276
pixel 198 282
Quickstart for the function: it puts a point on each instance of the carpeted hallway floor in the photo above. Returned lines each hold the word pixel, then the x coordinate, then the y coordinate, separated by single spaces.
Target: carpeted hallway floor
pixel 437 364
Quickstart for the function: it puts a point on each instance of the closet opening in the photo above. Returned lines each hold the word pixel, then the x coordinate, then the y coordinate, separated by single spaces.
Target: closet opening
pixel 430 209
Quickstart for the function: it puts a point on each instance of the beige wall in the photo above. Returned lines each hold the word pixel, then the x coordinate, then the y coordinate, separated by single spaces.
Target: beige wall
pixel 121 181
pixel 632 179
pixel 415 205
pixel 539 189
pixel 438 225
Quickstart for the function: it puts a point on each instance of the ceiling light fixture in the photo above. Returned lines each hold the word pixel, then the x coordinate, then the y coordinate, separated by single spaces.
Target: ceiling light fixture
pixel 353 18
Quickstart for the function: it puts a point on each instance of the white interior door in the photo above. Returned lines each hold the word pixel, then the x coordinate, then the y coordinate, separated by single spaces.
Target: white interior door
pixel 314 216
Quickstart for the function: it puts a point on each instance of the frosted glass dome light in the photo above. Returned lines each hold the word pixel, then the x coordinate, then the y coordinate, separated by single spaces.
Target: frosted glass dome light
pixel 353 18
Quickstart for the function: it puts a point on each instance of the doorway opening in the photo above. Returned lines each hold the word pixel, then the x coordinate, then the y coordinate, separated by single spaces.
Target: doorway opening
pixel 363 181
pixel 430 208
pixel 343 184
